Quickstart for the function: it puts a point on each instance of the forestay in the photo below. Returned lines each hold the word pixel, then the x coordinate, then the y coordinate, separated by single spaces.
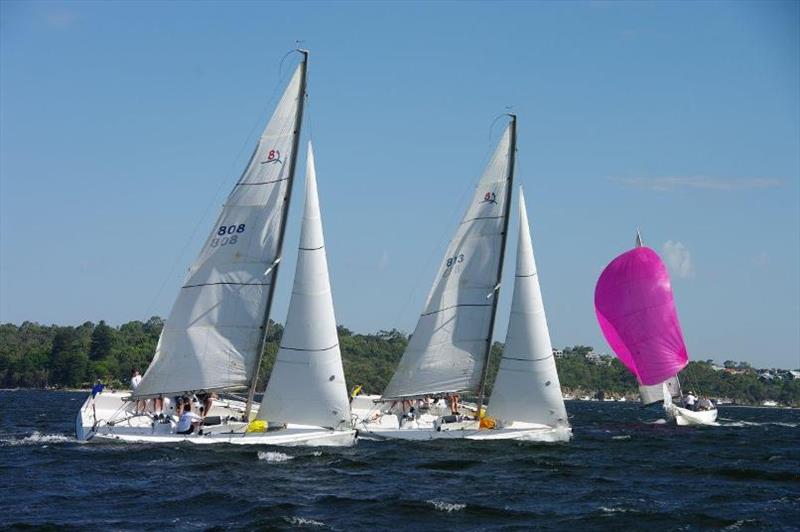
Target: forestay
pixel 307 384
pixel 446 352
pixel 212 335
pixel 527 387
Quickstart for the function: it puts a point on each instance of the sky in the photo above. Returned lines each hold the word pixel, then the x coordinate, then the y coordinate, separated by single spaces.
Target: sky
pixel 124 125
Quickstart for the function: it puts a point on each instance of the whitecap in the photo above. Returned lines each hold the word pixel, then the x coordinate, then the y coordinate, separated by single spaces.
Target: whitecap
pixel 37 438
pixel 303 521
pixel 448 507
pixel 274 456
pixel 622 437
pixel 616 510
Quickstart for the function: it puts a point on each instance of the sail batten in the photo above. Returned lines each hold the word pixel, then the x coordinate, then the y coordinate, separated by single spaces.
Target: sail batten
pixel 527 388
pixel 307 386
pixel 212 337
pixel 446 352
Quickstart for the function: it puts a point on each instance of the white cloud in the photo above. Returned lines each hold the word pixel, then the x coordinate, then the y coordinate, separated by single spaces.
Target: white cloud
pixel 678 259
pixel 662 184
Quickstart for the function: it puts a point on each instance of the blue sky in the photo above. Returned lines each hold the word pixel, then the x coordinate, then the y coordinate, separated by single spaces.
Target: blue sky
pixel 124 125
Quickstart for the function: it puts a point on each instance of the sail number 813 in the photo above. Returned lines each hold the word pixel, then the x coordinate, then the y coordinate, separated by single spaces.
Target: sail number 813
pixel 229 235
pixel 455 260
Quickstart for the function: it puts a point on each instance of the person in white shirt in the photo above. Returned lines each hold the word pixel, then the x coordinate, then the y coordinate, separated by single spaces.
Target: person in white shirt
pixel 690 401
pixel 188 422
pixel 136 378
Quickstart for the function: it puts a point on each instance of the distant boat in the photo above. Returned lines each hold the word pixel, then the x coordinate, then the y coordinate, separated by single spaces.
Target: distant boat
pixel 636 311
pixel 449 351
pixel 213 340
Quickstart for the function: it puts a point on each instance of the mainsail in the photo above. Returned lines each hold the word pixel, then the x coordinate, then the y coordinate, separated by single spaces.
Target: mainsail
pixel 636 311
pixel 527 387
pixel 450 345
pixel 212 337
pixel 307 384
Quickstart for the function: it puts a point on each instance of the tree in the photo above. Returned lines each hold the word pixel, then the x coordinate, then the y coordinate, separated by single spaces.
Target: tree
pixel 68 358
pixel 103 339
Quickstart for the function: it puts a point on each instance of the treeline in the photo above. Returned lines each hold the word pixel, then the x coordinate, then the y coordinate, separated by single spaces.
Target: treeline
pixel 38 356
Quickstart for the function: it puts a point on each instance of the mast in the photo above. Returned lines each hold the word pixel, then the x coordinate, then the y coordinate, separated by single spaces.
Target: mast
pixel 298 121
pixel 496 295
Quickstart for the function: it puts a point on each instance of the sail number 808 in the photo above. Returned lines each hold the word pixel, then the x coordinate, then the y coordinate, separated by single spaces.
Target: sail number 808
pixel 227 234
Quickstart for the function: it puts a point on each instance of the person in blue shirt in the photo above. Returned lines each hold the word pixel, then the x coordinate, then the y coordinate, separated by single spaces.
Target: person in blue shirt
pixel 97 388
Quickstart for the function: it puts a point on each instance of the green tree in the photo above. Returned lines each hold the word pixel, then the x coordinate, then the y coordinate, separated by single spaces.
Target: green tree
pixel 103 340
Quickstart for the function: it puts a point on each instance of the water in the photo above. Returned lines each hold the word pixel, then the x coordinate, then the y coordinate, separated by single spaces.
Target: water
pixel 617 472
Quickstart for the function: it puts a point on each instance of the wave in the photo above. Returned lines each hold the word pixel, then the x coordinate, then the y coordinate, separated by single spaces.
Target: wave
pixel 448 507
pixel 303 521
pixel 725 422
pixel 274 457
pixel 37 438
pixel 617 510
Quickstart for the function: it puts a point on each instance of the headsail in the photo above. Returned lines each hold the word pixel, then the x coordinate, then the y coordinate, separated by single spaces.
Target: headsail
pixel 664 392
pixel 212 337
pixel 307 385
pixel 527 387
pixel 636 311
pixel 449 346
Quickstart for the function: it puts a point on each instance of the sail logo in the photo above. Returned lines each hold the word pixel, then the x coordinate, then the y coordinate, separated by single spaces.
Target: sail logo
pixel 273 156
pixel 490 197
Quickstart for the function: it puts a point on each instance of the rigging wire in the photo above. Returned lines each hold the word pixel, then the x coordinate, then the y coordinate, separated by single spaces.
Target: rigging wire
pixel 202 220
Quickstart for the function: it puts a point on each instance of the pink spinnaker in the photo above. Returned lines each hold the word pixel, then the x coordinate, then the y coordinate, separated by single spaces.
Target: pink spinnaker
pixel 634 305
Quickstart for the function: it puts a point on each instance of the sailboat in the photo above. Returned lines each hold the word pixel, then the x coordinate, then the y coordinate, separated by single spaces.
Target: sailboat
pixel 448 353
pixel 636 311
pixel 214 337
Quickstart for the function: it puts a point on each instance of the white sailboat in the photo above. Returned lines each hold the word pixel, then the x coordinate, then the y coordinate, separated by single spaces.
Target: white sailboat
pixel 636 311
pixel 449 350
pixel 214 337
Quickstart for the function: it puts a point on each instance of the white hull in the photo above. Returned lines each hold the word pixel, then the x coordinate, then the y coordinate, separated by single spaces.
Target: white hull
pixel 109 418
pixel 464 430
pixel 541 434
pixel 684 417
pixel 374 423
pixel 291 436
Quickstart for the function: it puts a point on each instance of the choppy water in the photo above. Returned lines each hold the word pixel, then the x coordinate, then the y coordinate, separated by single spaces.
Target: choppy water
pixel 617 473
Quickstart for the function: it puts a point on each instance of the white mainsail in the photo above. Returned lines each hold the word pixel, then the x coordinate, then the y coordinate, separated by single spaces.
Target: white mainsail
pixel 527 388
pixel 307 384
pixel 447 351
pixel 212 337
